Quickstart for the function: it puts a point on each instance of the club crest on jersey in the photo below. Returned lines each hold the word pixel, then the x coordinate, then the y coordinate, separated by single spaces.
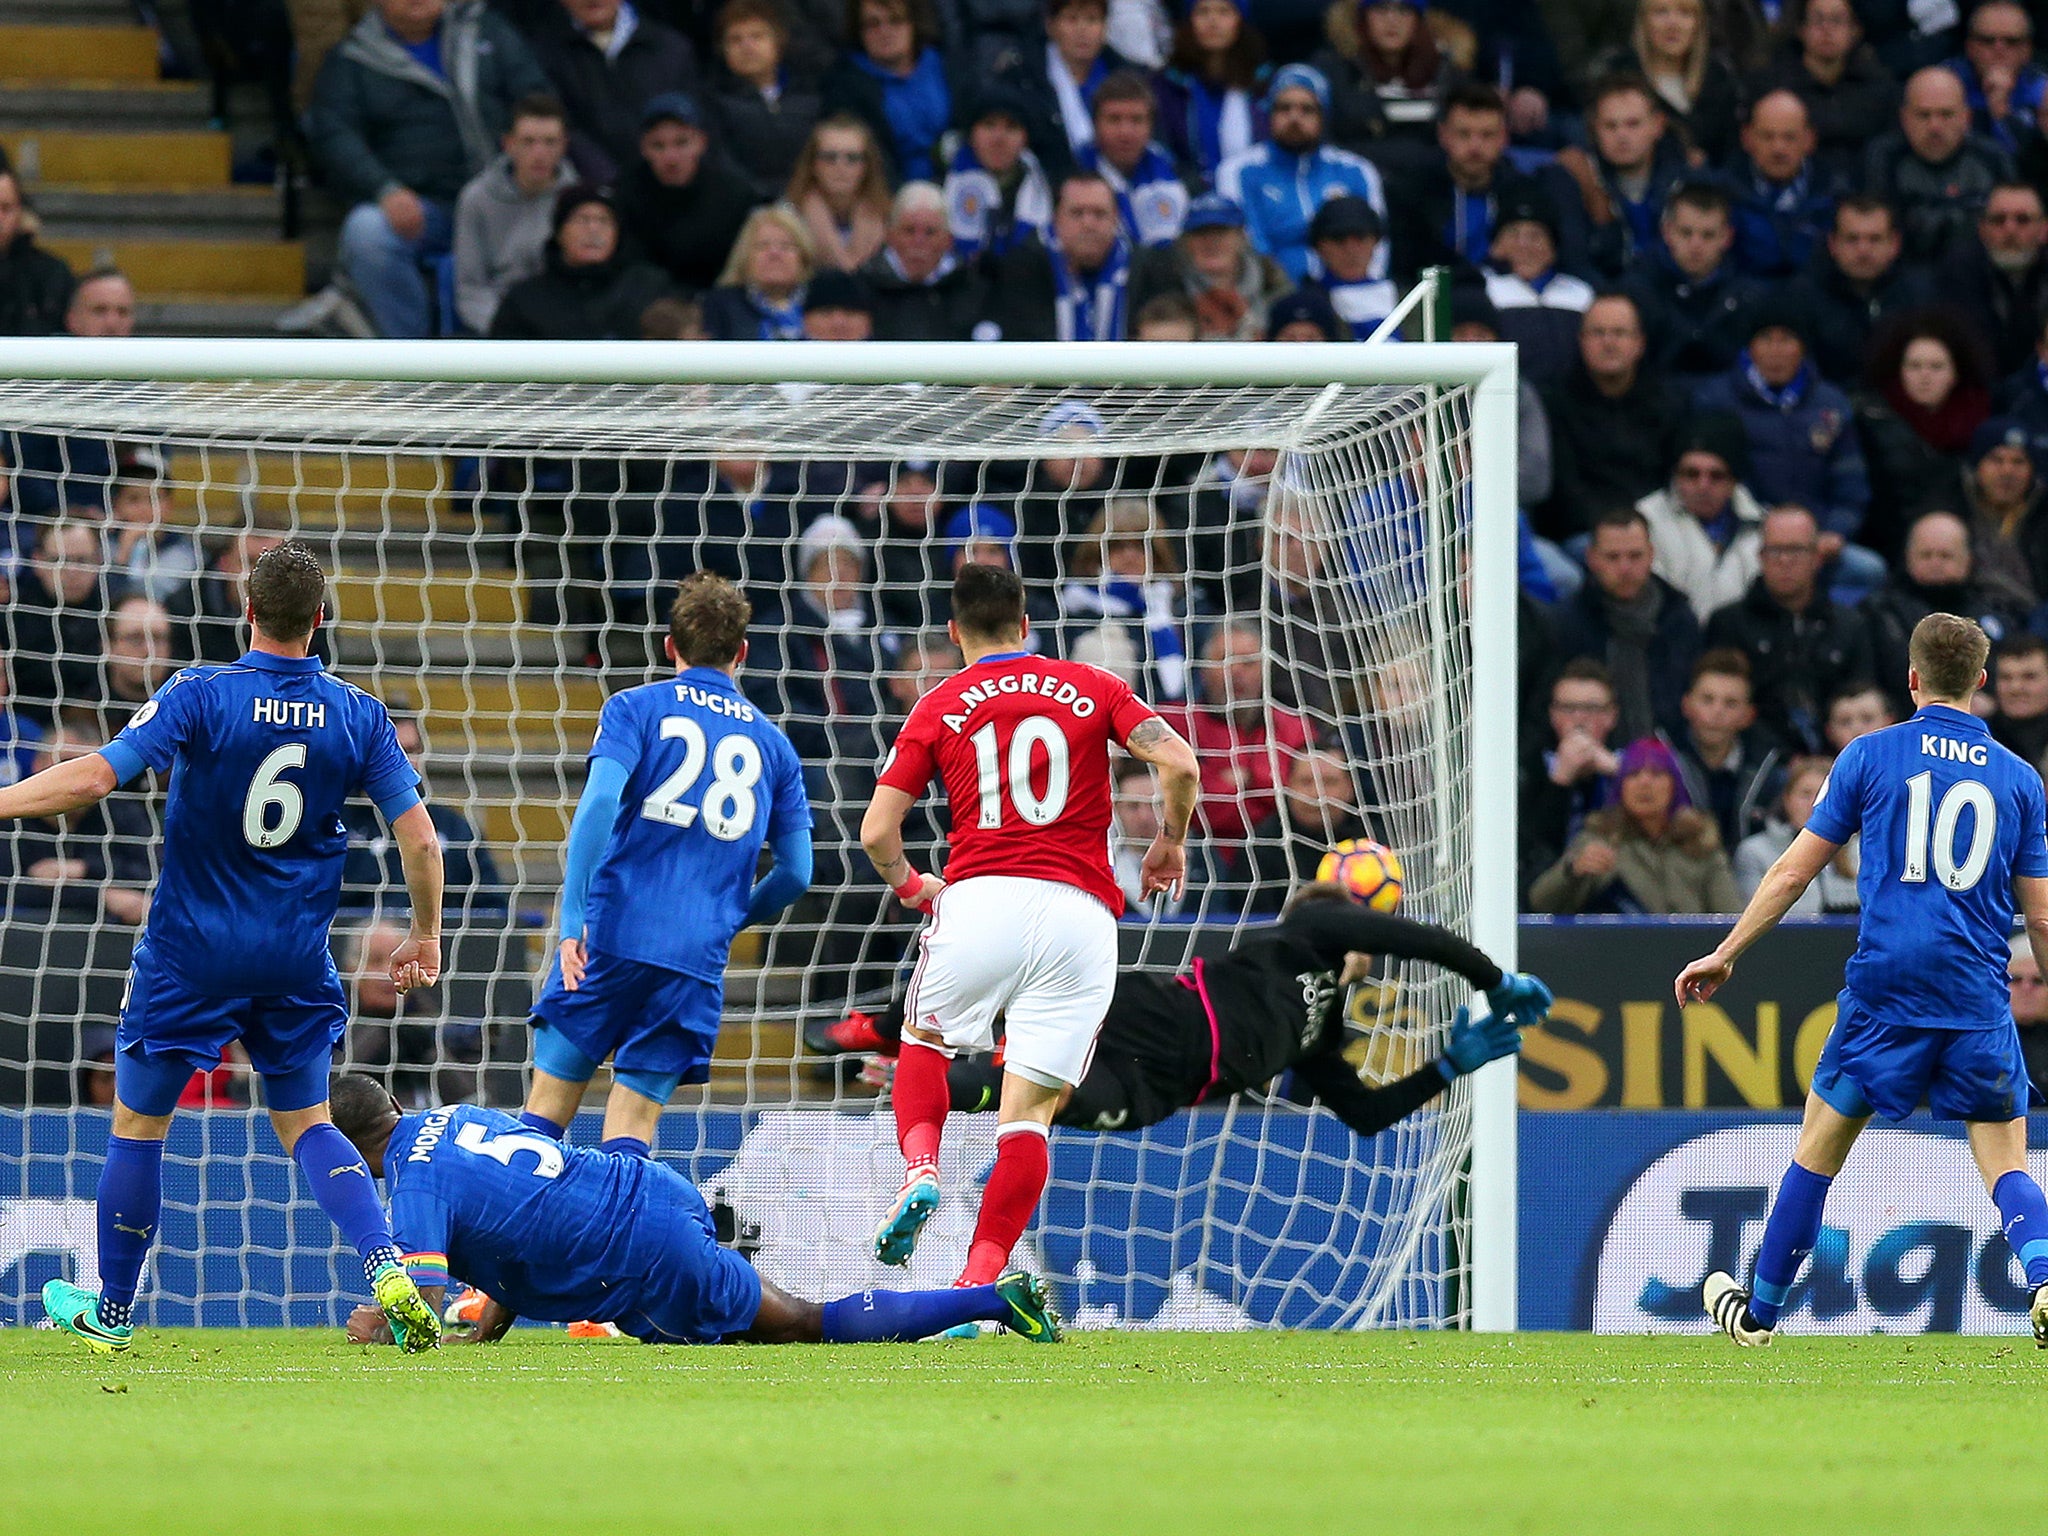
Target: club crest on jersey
pixel 1019 682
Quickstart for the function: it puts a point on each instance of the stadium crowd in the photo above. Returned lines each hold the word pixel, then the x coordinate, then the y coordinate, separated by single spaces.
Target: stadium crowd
pixel 1777 269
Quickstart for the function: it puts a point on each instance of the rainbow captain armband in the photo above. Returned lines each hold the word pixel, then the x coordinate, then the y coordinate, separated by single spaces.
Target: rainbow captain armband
pixel 911 888
pixel 427 1268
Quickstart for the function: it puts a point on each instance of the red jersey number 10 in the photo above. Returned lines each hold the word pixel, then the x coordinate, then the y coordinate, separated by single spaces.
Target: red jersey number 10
pixel 1031 732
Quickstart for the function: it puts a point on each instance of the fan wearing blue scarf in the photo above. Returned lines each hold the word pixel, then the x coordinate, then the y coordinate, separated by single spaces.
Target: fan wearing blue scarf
pixel 1073 286
pixel 1091 263
pixel 1344 237
pixel 997 194
pixel 1124 577
pixel 1152 201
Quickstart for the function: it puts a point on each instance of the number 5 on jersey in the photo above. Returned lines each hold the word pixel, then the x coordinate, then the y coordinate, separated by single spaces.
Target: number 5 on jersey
pixel 506 1145
pixel 729 803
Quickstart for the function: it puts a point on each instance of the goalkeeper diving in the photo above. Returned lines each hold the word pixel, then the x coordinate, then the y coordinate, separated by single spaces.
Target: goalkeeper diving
pixel 1273 1004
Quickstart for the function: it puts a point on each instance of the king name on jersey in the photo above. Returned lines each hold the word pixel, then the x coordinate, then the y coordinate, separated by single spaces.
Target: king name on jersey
pixel 1950 750
pixel 978 694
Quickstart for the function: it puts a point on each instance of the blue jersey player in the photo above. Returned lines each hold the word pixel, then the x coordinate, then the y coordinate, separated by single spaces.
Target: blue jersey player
pixel 687 781
pixel 265 751
pixel 562 1234
pixel 1954 835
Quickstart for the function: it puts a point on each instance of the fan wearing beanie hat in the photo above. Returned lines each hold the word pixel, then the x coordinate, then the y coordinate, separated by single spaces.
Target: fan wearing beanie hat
pixel 1346 237
pixel 2004 483
pixel 1304 315
pixel 1803 446
pixel 1707 530
pixel 1540 307
pixel 1649 849
pixel 838 307
pixel 586 291
pixel 1281 183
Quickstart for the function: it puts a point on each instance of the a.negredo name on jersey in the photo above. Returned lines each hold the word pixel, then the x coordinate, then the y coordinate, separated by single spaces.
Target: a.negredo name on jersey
pixel 1052 690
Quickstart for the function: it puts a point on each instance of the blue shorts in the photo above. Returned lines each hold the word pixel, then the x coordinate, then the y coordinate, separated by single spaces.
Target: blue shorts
pixel 167 1032
pixel 696 1291
pixel 1889 1069
pixel 647 1018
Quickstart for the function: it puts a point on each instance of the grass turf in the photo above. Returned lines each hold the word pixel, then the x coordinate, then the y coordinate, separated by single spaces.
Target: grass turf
pixel 275 1432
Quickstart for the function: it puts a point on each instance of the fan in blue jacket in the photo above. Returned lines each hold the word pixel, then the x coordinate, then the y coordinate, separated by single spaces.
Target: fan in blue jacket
pixel 1281 184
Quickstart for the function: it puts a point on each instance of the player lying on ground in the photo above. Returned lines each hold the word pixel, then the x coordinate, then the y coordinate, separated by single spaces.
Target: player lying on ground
pixel 1024 924
pixel 563 1234
pixel 1274 1004
pixel 687 780
pixel 264 753
pixel 1955 831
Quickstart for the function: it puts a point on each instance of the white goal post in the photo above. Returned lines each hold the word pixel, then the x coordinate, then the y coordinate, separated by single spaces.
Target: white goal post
pixel 606 382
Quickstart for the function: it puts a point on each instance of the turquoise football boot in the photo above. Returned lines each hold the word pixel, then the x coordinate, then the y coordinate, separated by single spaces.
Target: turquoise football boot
pixel 77 1311
pixel 1031 1311
pixel 896 1237
pixel 413 1324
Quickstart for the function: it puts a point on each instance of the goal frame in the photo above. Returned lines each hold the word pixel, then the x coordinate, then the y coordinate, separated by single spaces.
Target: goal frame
pixel 1488 368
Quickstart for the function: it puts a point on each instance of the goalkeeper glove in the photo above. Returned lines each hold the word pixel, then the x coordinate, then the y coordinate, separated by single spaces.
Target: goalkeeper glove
pixel 1520 997
pixel 1474 1043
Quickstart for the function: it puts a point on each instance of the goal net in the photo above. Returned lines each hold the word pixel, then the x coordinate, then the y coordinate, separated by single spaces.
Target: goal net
pixel 1289 570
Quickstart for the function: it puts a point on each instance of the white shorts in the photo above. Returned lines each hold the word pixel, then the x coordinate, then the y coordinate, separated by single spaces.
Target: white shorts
pixel 1040 953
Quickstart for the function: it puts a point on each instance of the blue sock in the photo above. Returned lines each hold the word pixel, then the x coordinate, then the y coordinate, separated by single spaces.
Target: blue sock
pixel 899 1317
pixel 131 1199
pixel 542 1124
pixel 2023 1212
pixel 1789 1237
pixel 625 1146
pixel 342 1184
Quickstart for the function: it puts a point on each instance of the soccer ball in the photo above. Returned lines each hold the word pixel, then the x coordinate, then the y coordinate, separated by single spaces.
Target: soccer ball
pixel 1370 872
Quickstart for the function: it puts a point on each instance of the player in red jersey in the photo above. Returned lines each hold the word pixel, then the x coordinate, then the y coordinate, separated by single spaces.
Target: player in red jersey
pixel 1024 923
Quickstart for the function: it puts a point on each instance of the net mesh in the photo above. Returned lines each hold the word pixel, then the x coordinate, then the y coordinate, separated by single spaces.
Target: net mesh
pixel 1280 569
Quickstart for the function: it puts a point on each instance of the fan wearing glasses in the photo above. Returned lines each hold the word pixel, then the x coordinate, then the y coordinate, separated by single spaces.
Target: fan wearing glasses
pixel 2005 87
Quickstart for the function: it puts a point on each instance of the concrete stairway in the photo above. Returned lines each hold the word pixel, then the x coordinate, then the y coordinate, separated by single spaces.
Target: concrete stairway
pixel 123 167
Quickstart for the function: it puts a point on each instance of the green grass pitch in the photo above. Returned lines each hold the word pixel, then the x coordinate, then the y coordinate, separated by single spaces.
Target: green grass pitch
pixel 276 1433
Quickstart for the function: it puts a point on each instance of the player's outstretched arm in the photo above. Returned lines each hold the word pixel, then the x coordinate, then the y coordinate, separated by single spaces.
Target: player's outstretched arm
pixel 597 809
pixel 1335 929
pixel 1155 742
pixel 881 834
pixel 1370 1110
pixel 417 962
pixel 1783 884
pixel 56 790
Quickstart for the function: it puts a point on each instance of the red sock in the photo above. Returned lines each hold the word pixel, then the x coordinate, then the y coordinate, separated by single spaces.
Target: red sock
pixel 921 1100
pixel 1023 1160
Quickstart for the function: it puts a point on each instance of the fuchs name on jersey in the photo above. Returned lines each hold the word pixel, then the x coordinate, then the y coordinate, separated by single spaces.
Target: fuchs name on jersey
pixel 292 714
pixel 716 703
pixel 977 694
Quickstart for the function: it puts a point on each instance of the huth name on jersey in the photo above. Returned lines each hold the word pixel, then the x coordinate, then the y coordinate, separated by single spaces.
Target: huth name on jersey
pixel 292 713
